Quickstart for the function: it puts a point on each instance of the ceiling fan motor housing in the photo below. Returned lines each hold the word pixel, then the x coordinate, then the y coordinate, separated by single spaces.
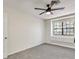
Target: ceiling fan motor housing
pixel 48 10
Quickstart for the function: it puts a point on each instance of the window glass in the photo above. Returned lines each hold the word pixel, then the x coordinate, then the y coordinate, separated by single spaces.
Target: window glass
pixel 63 28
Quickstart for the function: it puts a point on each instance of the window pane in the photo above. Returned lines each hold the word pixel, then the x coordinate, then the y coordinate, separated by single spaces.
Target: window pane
pixel 57 28
pixel 68 28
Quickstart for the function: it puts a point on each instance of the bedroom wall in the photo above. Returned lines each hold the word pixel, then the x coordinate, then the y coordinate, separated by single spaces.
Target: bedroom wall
pixel 66 41
pixel 24 31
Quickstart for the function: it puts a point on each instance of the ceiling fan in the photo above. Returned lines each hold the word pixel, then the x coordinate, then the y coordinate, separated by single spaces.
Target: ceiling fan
pixel 49 9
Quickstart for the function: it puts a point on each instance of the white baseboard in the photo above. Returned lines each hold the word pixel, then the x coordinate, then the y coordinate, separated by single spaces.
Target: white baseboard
pixel 54 43
pixel 25 49
pixel 63 44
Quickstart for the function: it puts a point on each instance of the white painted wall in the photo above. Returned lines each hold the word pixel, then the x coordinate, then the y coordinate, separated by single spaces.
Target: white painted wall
pixel 24 31
pixel 66 41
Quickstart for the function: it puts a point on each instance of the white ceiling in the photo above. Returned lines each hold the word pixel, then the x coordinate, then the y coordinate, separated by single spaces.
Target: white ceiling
pixel 27 6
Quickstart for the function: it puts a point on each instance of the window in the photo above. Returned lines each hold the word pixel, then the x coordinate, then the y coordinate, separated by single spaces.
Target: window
pixel 63 28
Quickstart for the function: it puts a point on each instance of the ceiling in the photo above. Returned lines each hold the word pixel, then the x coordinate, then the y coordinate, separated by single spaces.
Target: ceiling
pixel 27 6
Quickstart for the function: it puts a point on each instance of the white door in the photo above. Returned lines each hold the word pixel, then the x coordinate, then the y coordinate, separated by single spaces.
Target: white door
pixel 5 35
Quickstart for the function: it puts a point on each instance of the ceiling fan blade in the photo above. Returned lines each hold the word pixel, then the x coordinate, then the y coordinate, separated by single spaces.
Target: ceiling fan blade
pixel 42 13
pixel 57 9
pixel 54 2
pixel 40 9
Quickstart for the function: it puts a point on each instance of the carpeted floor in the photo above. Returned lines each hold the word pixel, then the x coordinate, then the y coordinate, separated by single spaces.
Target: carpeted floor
pixel 45 51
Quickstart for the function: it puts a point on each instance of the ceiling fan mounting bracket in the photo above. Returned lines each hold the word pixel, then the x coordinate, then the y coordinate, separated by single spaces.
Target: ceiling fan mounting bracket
pixel 48 5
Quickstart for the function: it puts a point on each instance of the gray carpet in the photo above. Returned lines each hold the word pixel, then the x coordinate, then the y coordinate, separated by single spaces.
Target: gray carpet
pixel 45 51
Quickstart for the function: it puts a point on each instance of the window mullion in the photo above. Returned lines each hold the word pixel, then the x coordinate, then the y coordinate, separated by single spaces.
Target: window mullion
pixel 62 28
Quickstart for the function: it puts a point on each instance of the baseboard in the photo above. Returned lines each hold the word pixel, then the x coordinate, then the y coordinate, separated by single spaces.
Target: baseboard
pixel 37 45
pixel 62 45
pixel 25 49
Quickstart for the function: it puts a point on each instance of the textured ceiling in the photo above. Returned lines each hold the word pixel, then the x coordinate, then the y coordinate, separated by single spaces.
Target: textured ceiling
pixel 27 6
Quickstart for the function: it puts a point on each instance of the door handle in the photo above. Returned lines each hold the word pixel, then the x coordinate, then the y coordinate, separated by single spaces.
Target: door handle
pixel 5 37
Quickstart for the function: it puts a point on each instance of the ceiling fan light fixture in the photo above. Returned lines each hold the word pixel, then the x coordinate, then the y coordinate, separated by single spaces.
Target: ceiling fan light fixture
pixel 48 13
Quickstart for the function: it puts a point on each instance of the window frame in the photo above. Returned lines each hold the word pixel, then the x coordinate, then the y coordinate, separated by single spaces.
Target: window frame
pixel 62 29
